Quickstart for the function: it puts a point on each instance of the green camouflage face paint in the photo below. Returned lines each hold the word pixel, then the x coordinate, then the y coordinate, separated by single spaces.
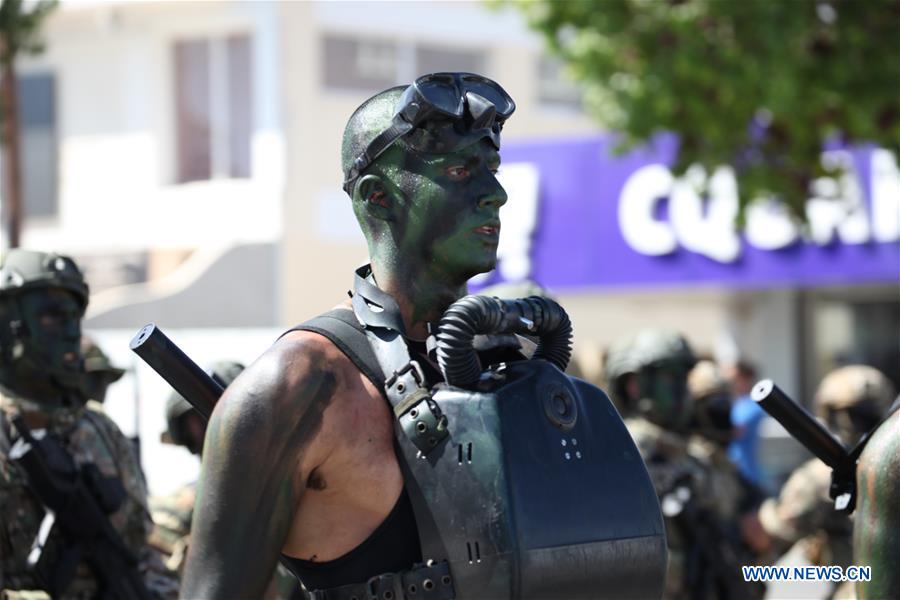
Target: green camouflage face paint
pixel 664 395
pixel 453 214
pixel 445 224
pixel 47 364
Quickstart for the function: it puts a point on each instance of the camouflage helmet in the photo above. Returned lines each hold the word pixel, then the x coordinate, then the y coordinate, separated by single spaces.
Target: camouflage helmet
pixel 224 372
pixel 646 355
pixel 853 386
pixel 706 379
pixel 23 270
pixel 648 348
pixel 96 361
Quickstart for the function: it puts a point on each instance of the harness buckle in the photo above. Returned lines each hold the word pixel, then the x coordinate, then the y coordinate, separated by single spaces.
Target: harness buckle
pixel 413 367
pixel 387 586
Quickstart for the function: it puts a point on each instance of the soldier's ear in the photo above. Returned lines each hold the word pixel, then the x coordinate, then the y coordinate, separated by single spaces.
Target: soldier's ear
pixel 375 198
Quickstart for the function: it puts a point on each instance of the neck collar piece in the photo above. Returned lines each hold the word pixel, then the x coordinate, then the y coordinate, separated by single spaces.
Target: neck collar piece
pixel 373 306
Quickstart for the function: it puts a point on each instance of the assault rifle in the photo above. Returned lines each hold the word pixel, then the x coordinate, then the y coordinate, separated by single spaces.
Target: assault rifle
pixel 713 563
pixel 78 501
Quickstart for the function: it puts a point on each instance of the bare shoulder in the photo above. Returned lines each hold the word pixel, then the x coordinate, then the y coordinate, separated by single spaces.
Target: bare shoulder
pixel 263 441
pixel 282 396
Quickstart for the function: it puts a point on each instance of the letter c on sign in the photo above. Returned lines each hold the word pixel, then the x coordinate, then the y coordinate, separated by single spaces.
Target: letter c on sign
pixel 643 189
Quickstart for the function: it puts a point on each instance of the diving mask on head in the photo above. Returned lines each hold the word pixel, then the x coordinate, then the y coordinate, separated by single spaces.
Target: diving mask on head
pixel 441 112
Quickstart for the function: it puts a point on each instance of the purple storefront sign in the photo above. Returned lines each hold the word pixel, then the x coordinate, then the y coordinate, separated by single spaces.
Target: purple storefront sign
pixel 611 221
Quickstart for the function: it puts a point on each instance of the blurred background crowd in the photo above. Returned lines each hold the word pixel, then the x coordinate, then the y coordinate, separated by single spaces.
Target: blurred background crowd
pixel 186 155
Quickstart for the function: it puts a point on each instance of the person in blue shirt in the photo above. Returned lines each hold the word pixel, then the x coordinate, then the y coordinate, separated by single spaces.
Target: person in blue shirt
pixel 746 416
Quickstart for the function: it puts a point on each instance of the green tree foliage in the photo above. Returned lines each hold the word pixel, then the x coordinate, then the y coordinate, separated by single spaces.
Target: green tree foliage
pixel 762 85
pixel 20 24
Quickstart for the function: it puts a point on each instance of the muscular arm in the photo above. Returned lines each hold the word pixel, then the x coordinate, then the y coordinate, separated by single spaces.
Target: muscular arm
pixel 876 537
pixel 260 447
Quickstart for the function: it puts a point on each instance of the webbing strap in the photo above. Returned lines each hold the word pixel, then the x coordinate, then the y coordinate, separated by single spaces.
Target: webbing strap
pixel 342 328
pixel 424 581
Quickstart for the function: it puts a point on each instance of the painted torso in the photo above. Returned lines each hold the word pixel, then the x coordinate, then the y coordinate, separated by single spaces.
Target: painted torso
pixel 876 539
pixel 354 489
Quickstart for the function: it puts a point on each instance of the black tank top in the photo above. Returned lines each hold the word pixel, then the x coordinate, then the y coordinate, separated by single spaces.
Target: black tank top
pixel 392 547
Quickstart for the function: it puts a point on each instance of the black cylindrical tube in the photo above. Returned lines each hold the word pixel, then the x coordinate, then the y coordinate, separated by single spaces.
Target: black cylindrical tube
pixel 173 365
pixel 799 423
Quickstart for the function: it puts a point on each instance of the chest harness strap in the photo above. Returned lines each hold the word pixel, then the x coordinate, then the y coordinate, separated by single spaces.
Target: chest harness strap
pixel 372 336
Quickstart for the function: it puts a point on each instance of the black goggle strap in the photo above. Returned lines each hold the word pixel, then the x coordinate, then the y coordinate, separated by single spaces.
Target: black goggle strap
pixel 417 107
pixel 399 127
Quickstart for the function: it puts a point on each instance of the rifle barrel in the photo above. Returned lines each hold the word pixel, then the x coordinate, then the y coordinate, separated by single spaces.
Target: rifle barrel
pixel 799 423
pixel 173 365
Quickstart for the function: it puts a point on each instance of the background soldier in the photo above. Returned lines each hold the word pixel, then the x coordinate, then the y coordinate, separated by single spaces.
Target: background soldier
pixel 736 498
pixel 42 300
pixel 99 373
pixel 172 514
pixel 648 374
pixel 850 400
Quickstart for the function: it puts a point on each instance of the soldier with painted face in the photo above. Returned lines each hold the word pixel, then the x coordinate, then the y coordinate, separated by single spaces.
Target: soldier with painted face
pixel 648 375
pixel 850 401
pixel 43 406
pixel 301 456
pixel 302 436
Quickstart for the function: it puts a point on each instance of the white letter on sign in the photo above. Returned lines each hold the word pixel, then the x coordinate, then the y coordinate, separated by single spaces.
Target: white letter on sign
pixel 707 227
pixel 885 197
pixel 643 189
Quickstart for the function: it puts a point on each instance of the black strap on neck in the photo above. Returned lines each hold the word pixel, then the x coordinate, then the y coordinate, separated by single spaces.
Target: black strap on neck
pixel 405 385
pixel 373 307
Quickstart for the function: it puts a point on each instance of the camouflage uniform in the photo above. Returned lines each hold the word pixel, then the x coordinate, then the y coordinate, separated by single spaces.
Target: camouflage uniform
pixel 663 450
pixel 172 524
pixel 709 439
pixel 657 416
pixel 172 514
pixel 850 400
pixel 91 437
pixel 804 513
pixel 670 464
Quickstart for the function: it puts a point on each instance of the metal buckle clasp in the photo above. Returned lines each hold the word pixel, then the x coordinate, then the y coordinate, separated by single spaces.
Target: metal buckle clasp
pixel 417 373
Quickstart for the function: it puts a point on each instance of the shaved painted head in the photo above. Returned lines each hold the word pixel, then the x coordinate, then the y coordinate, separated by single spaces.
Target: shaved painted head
pixel 424 213
pixel 366 122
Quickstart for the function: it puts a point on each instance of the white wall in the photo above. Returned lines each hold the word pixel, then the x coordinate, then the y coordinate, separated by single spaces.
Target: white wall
pixel 116 123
